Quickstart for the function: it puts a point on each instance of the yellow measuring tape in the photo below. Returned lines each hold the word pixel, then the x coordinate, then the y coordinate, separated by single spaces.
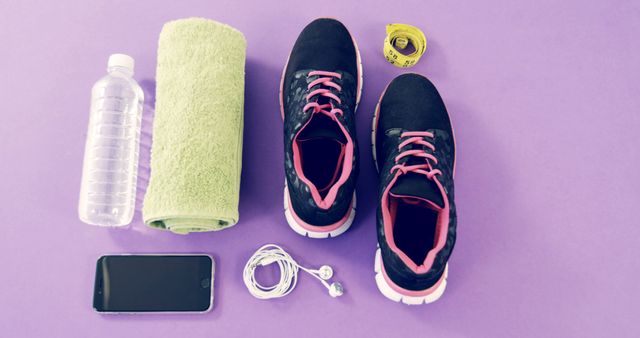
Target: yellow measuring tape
pixel 399 36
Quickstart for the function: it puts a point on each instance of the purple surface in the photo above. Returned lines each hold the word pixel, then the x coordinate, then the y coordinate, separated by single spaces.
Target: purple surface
pixel 544 99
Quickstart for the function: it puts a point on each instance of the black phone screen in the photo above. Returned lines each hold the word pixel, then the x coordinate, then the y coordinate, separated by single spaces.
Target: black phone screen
pixel 150 283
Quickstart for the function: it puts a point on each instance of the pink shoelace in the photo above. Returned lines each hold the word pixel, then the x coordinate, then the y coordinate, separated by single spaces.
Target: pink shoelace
pixel 417 137
pixel 325 79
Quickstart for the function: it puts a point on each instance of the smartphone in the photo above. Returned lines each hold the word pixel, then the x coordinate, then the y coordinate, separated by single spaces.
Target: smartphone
pixel 154 283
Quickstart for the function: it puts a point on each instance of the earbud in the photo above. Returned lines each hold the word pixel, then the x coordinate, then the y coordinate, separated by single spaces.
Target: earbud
pixel 325 272
pixel 336 290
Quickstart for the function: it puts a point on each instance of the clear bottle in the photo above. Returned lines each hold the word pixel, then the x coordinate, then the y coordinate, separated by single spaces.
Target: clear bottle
pixel 108 191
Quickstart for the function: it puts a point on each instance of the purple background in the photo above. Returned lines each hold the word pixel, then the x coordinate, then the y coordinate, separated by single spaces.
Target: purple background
pixel 544 98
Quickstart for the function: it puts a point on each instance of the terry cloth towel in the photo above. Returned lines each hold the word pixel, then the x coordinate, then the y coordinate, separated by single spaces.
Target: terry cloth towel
pixel 197 130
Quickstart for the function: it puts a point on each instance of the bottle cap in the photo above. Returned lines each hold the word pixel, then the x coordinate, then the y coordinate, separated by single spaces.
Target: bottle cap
pixel 121 60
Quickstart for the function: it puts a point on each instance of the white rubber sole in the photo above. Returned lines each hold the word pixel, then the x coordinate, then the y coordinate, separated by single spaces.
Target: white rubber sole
pixel 395 296
pixel 299 229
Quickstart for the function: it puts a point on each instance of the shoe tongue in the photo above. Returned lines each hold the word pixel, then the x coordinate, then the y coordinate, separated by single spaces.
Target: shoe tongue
pixel 325 133
pixel 418 186
pixel 323 127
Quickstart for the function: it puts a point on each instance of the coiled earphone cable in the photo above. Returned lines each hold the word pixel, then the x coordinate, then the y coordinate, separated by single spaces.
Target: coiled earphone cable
pixel 271 253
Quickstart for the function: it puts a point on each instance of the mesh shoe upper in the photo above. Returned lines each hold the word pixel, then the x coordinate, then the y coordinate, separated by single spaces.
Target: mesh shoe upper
pixel 412 104
pixel 319 98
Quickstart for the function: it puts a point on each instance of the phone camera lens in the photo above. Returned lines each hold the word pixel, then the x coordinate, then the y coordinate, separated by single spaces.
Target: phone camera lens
pixel 205 283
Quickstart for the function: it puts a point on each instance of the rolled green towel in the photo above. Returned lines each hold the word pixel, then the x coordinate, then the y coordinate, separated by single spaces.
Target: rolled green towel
pixel 197 130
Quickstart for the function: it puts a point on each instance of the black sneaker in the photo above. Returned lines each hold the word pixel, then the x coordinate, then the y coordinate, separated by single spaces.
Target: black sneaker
pixel 414 150
pixel 319 92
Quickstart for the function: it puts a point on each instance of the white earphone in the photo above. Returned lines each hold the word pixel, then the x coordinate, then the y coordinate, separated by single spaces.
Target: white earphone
pixel 271 253
pixel 325 273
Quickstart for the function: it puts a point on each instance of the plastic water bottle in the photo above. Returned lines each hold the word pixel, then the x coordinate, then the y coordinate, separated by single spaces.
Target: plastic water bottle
pixel 108 191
